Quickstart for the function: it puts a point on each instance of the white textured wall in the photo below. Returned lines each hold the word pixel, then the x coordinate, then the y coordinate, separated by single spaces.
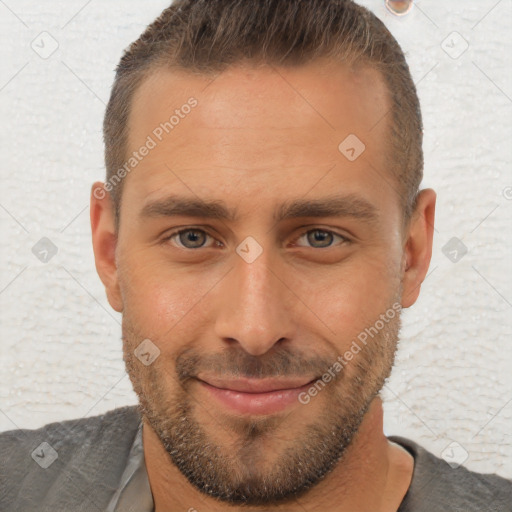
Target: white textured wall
pixel 60 341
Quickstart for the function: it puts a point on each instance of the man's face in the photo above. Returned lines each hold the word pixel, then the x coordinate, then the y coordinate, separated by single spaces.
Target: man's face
pixel 224 315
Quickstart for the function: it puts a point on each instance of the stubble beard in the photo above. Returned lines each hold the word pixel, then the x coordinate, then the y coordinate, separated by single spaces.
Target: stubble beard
pixel 258 467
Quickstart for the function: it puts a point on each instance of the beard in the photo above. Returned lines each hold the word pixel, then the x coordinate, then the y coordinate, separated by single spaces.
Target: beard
pixel 267 460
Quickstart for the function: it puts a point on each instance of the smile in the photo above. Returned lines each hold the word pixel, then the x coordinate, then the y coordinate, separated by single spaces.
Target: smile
pixel 255 396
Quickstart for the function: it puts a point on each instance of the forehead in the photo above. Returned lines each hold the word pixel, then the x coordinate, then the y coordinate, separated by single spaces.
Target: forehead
pixel 256 126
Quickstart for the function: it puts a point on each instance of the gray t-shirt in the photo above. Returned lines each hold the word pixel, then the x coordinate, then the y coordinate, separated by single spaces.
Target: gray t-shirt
pixel 97 464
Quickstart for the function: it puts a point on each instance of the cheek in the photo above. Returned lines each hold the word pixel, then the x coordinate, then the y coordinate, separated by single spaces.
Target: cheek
pixel 351 298
pixel 163 303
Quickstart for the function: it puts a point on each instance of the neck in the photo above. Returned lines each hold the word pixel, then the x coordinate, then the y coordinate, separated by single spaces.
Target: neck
pixel 373 475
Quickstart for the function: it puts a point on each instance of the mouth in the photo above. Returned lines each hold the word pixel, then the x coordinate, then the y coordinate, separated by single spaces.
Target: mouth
pixel 255 396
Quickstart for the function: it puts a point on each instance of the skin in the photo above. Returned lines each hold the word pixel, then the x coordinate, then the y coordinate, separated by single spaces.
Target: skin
pixel 258 138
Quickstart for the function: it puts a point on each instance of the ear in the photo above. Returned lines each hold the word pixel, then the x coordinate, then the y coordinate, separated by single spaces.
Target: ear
pixel 418 246
pixel 104 242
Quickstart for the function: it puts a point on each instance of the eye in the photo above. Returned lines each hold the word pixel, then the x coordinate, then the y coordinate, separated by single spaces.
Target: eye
pixel 194 238
pixel 190 238
pixel 322 238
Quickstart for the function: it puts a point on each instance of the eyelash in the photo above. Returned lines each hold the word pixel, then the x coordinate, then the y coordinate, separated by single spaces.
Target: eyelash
pixel 344 239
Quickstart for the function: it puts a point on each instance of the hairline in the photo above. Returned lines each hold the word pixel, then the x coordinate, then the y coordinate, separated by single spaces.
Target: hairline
pixel 141 76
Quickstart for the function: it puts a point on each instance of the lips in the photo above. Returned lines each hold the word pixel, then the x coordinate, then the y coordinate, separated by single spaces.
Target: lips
pixel 254 396
pixel 257 385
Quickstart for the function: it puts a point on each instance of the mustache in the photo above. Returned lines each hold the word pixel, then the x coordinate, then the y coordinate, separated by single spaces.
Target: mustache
pixel 236 363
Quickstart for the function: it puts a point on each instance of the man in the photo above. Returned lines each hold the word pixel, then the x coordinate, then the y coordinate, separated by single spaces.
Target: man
pixel 260 229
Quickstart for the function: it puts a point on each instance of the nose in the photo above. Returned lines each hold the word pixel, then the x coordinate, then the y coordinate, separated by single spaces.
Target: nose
pixel 255 306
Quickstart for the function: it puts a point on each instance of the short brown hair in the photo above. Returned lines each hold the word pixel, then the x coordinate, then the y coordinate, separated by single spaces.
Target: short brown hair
pixel 207 36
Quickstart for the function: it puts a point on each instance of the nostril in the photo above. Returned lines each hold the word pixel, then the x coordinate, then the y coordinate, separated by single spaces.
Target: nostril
pixel 399 7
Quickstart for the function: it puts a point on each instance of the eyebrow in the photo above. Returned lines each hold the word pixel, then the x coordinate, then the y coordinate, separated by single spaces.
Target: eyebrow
pixel 330 206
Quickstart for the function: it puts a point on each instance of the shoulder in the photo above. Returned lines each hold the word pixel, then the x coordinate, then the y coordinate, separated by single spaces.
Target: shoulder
pixel 67 463
pixel 436 486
